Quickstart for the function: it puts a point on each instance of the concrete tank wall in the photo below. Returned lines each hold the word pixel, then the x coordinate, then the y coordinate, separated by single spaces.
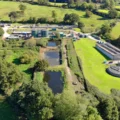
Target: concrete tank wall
pixel 104 52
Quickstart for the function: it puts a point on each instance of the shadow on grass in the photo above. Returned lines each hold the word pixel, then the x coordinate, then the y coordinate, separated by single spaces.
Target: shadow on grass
pixel 103 18
pixel 29 71
pixel 107 58
pixel 16 61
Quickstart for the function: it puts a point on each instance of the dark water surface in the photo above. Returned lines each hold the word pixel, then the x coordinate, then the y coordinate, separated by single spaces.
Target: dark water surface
pixel 53 57
pixel 55 81
pixel 52 44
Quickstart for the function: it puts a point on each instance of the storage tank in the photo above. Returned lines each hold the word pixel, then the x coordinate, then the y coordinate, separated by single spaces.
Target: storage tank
pixel 44 33
pixel 34 33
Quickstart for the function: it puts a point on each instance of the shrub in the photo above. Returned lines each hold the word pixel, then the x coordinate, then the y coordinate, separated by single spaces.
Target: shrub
pixel 1 31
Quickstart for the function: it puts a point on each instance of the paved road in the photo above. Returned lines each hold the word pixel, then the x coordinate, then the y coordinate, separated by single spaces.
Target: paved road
pixel 5 32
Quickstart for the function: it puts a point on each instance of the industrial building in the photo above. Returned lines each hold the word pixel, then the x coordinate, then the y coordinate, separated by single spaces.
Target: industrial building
pixel 45 33
pixel 113 53
pixel 109 50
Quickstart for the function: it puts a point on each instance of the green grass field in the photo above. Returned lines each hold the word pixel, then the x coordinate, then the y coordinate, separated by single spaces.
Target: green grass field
pixel 93 67
pixel 43 11
pixel 6 112
pixel 115 33
pixel 14 58
pixel 103 11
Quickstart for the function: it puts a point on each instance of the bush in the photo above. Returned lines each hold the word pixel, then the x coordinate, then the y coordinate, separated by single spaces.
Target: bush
pixel 27 57
pixel 88 13
pixel 30 43
pixel 1 31
pixel 42 42
pixel 41 65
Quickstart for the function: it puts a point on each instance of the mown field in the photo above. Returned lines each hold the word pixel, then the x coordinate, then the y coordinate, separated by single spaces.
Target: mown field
pixel 115 33
pixel 93 67
pixel 44 11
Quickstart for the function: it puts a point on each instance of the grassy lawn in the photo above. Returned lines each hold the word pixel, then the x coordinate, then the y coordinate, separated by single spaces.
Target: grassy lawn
pixel 43 11
pixel 93 67
pixel 39 76
pixel 77 29
pixel 57 4
pixel 6 112
pixel 103 11
pixel 116 31
pixel 14 57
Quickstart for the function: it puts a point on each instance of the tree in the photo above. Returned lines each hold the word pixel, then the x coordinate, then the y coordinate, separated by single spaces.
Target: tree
pixel 1 31
pixel 27 57
pixel 74 18
pixel 43 2
pixel 92 114
pixel 118 41
pixel 22 7
pixel 34 99
pixel 71 18
pixel 84 6
pixel 105 29
pixel 41 65
pixel 54 15
pixel 113 13
pixel 13 16
pixel 109 109
pixel 9 76
pixel 30 43
pixel 88 13
pixel 66 107
pixel 80 25
pixel 70 2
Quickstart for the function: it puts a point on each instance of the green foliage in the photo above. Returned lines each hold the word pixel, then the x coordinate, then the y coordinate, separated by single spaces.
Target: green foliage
pixel 72 58
pixel 71 18
pixel 42 42
pixel 88 13
pixel 43 2
pixel 41 65
pixel 35 100
pixel 1 31
pixel 13 16
pixel 110 4
pixel 27 57
pixel 92 114
pixel 68 106
pixel 6 111
pixel 113 13
pixel 105 29
pixel 30 43
pixel 22 7
pixel 81 25
pixel 9 76
pixel 109 110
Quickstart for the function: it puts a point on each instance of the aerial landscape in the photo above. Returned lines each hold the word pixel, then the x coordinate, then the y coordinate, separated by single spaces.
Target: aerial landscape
pixel 60 60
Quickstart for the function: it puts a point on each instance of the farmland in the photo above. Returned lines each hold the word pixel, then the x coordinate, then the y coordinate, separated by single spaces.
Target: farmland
pixel 45 11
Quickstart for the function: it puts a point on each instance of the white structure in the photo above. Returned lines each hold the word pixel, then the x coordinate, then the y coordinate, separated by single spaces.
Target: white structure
pixel 109 50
